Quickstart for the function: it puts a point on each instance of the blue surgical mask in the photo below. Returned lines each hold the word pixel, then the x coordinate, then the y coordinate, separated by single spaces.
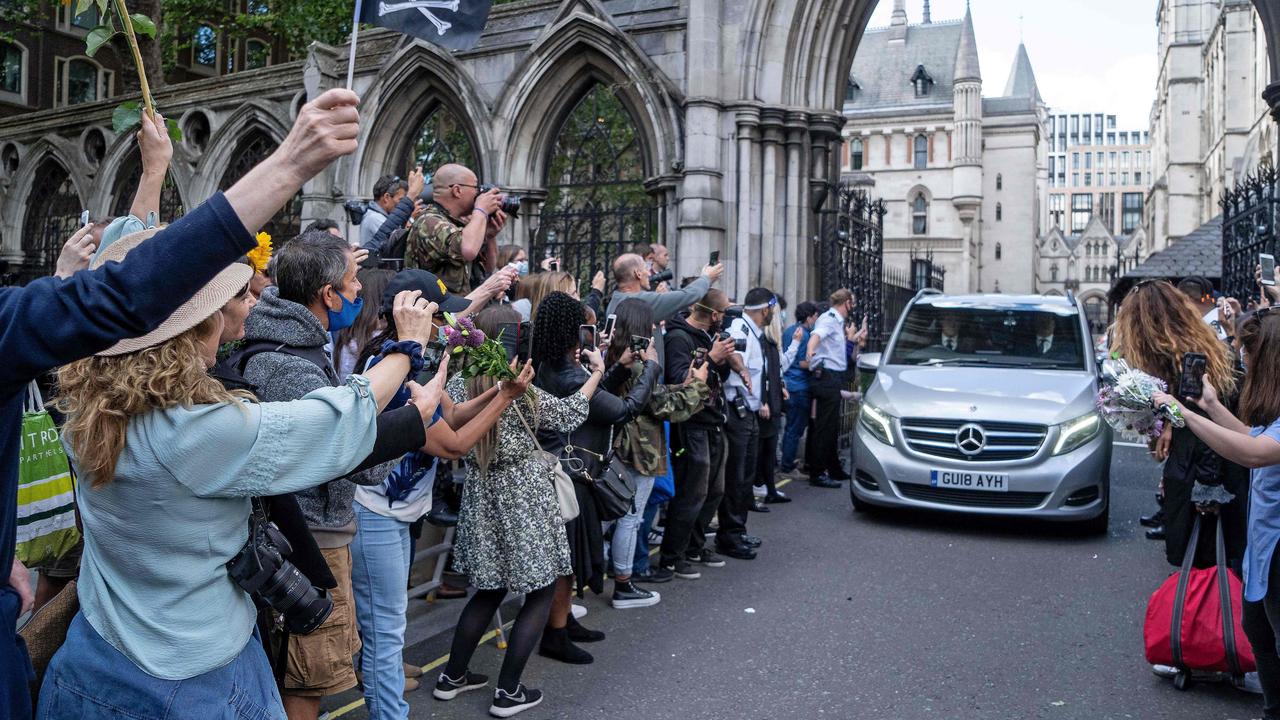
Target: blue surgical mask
pixel 522 267
pixel 345 317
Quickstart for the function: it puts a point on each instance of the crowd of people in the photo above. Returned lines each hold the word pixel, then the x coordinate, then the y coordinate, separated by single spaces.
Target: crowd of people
pixel 1223 467
pixel 257 444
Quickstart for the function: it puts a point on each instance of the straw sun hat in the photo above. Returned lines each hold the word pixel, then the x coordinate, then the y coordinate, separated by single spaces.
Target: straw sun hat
pixel 209 300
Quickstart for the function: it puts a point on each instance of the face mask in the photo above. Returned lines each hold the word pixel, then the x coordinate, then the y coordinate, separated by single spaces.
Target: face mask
pixel 344 318
pixel 522 267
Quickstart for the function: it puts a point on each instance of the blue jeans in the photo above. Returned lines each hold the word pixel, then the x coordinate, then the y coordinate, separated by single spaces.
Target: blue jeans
pixel 379 575
pixel 641 562
pixel 625 534
pixel 797 420
pixel 89 678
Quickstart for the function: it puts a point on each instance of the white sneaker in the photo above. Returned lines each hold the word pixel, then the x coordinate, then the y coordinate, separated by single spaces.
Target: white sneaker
pixel 579 612
pixel 1164 671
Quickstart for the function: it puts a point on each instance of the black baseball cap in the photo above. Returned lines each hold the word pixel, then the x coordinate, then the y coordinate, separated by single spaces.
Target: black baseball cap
pixel 431 287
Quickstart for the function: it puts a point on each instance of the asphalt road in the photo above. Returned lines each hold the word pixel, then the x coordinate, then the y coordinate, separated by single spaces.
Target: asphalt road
pixel 888 615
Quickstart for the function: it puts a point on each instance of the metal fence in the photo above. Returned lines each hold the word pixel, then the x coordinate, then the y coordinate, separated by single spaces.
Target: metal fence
pixel 589 239
pixel 1250 213
pixel 851 251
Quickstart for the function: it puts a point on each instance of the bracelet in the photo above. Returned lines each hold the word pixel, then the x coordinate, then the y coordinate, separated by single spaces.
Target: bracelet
pixel 411 348
pixel 482 212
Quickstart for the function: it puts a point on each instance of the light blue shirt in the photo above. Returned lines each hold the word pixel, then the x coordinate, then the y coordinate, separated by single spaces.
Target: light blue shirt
pixel 831 352
pixel 157 537
pixel 371 223
pixel 1264 521
pixel 744 328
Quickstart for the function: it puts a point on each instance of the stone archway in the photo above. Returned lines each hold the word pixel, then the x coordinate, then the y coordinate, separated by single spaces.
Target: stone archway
pixel 52 215
pixel 254 147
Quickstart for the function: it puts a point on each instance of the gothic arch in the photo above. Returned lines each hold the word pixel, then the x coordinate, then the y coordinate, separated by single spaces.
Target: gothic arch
pixel 816 41
pixel 572 54
pixel 50 147
pixel 222 145
pixel 417 80
pixel 118 161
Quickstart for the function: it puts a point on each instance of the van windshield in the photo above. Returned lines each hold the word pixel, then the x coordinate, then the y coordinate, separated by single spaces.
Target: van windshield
pixel 1000 337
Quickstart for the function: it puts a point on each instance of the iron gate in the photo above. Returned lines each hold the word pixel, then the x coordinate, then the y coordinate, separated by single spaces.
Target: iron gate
pixel 1249 217
pixel 171 207
pixel 53 216
pixel 851 252
pixel 589 239
pixel 253 149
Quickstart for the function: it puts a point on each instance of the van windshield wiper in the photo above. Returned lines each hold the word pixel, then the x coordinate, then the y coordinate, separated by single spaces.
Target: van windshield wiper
pixel 955 361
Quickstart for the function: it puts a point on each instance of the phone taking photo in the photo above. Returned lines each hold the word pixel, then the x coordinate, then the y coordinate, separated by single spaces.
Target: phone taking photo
pixel 609 322
pixel 587 337
pixel 715 257
pixel 1191 384
pixel 1268 264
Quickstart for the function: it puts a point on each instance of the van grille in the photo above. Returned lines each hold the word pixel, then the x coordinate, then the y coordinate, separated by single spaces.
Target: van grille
pixel 1005 441
pixel 971 498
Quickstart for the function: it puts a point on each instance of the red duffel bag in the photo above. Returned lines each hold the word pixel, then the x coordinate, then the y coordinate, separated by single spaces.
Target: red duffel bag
pixel 1193 619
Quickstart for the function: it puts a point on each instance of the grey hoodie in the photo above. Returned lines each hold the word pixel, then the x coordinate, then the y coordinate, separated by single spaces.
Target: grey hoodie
pixel 281 377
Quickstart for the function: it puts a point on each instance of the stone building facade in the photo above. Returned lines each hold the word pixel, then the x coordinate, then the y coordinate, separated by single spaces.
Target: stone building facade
pixel 962 176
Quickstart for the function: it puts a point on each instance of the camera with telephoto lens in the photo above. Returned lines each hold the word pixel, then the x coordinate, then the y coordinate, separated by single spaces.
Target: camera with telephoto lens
pixel 510 204
pixel 661 277
pixel 355 210
pixel 260 569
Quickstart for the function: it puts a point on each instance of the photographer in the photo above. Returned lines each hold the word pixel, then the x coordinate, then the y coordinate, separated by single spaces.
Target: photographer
pixel 829 358
pixel 454 238
pixel 1252 440
pixel 387 192
pixel 631 279
pixel 383 244
pixel 697 445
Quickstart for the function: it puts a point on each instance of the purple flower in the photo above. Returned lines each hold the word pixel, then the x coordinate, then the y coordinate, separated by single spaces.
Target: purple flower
pixel 466 324
pixel 475 338
pixel 453 336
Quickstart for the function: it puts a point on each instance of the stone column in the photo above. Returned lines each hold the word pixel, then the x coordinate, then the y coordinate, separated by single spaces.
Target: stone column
pixel 794 237
pixel 748 119
pixel 771 255
pixel 701 210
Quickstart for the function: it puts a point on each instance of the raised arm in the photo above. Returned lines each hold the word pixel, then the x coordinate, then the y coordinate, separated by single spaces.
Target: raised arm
pixel 157 151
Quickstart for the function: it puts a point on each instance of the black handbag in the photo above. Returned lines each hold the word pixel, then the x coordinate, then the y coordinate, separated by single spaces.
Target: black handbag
pixel 612 488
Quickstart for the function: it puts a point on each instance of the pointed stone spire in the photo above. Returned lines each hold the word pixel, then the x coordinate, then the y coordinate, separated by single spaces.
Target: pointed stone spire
pixel 899 13
pixel 1022 79
pixel 928 17
pixel 967 53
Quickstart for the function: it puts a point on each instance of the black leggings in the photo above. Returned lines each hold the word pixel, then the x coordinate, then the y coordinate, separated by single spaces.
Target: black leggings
pixel 1260 620
pixel 524 635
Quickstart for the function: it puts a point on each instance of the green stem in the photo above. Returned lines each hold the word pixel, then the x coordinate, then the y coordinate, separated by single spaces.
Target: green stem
pixel 127 22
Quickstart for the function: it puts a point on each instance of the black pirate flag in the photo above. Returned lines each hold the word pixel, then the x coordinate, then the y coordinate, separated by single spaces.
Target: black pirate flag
pixel 455 24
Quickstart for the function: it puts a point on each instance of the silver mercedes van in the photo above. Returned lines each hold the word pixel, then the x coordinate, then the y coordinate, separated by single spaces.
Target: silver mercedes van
pixel 985 404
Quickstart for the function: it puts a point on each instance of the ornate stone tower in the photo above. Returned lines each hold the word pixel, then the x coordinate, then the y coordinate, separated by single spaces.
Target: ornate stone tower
pixel 967 142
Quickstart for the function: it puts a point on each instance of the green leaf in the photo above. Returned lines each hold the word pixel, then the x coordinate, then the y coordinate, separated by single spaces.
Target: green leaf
pixel 96 38
pixel 104 7
pixel 175 132
pixel 82 6
pixel 143 25
pixel 126 116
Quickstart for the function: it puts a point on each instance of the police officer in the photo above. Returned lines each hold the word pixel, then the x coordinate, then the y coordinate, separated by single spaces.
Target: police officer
pixel 454 238
pixel 829 356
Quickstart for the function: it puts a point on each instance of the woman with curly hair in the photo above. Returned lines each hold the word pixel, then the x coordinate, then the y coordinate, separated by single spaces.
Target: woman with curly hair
pixel 168 460
pixel 510 538
pixel 1155 327
pixel 556 354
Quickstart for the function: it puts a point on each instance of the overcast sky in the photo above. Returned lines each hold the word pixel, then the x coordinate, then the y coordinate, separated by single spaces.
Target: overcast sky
pixel 1088 55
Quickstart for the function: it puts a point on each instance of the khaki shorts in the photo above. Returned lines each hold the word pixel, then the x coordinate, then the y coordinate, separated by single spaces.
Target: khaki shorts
pixel 320 663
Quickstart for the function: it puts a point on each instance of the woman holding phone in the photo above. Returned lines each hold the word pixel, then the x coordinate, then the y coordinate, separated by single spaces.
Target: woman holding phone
pixel 1251 438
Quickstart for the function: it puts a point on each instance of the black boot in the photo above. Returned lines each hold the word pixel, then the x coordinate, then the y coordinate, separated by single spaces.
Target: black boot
pixel 578 633
pixel 557 646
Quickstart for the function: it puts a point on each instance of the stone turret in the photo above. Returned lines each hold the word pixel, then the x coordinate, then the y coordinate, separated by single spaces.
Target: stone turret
pixel 967 146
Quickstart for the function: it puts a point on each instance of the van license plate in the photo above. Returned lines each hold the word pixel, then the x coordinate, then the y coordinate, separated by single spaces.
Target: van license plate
pixel 957 480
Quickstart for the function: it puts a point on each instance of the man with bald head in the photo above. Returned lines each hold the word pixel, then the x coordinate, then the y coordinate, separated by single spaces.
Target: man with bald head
pixel 631 276
pixel 455 237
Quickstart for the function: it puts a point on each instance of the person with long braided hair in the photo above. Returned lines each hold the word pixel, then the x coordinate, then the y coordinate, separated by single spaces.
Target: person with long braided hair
pixel 556 356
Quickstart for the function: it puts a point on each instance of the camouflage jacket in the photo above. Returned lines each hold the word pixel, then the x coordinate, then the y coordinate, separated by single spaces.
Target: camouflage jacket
pixel 434 244
pixel 642 444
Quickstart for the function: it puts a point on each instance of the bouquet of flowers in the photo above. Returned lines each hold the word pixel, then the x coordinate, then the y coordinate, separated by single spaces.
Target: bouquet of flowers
pixel 485 356
pixel 1124 401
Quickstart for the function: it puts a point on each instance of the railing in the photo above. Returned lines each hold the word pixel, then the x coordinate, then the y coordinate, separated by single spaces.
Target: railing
pixel 1249 218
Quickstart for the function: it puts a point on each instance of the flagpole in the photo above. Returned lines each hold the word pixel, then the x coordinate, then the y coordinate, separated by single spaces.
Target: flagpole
pixel 355 34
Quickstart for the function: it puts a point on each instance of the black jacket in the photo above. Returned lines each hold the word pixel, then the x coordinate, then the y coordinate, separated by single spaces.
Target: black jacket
pixel 607 408
pixel 680 342
pixel 1191 461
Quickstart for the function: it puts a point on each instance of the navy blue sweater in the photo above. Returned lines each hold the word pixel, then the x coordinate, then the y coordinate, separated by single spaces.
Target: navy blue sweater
pixel 52 322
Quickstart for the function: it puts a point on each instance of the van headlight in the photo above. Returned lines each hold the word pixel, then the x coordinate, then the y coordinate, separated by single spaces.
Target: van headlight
pixel 1075 433
pixel 877 422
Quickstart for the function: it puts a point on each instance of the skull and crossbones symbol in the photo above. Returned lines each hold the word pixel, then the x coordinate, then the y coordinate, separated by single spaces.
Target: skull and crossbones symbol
pixel 425 7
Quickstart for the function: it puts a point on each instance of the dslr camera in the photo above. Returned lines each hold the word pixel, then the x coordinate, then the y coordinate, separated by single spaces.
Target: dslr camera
pixel 262 570
pixel 510 204
pixel 661 277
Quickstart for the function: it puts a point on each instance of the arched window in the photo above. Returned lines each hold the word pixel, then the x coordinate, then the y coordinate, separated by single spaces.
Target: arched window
pixel 252 149
pixel 442 139
pixel 52 216
pixel 80 80
pixel 999 212
pixel 204 48
pixel 1053 272
pixel 999 251
pixel 851 91
pixel 257 55
pixel 921 152
pixel 13 71
pixel 999 181
pixel 922 82
pixel 596 206
pixel 126 184
pixel 855 154
pixel 919 215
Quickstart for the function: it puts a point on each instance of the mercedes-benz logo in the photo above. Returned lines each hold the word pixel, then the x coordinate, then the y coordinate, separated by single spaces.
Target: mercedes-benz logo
pixel 971 439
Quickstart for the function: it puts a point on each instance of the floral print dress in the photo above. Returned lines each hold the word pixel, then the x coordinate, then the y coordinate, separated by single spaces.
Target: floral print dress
pixel 509 532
